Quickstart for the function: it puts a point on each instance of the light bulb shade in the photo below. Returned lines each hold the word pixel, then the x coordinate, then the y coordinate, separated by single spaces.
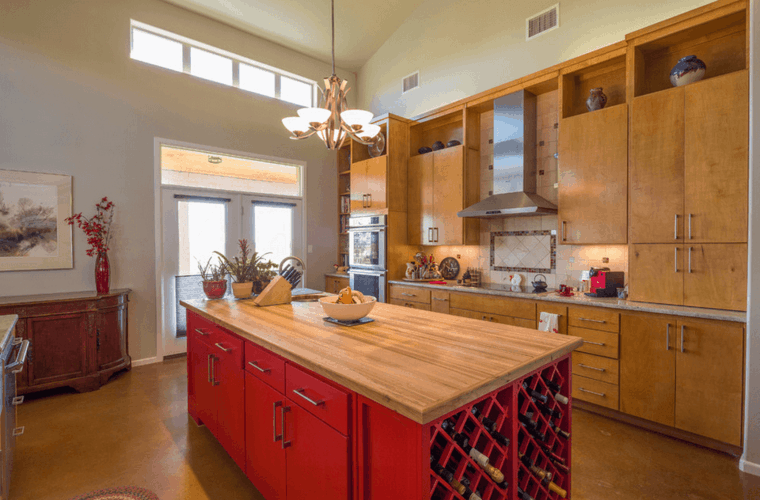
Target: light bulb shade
pixel 336 134
pixel 314 115
pixel 296 125
pixel 368 132
pixel 353 117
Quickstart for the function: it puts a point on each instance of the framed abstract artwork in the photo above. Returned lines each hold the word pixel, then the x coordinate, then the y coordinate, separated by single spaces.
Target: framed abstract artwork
pixel 33 232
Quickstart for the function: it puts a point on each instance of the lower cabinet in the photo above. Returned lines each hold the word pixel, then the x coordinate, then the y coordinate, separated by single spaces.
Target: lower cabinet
pixel 334 284
pixel 684 373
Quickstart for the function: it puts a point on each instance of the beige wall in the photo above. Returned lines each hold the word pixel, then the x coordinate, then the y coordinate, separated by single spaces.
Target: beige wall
pixel 462 48
pixel 74 103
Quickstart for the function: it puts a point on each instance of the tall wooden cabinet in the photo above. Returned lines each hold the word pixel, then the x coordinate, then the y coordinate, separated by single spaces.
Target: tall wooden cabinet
pixel 593 177
pixel 368 185
pixel 76 339
pixel 684 373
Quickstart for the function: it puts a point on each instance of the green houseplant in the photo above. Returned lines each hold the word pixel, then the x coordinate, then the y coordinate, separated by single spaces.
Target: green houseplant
pixel 214 278
pixel 247 268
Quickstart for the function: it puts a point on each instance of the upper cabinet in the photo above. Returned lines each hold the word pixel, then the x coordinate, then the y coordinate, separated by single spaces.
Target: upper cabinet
pixel 443 182
pixel 593 177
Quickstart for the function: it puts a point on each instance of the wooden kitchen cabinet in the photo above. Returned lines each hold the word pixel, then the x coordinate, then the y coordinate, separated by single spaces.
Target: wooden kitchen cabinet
pixel 593 177
pixel 655 273
pixel 368 185
pixel 716 159
pixel 559 310
pixel 334 284
pixel 684 373
pixel 439 301
pixel 437 190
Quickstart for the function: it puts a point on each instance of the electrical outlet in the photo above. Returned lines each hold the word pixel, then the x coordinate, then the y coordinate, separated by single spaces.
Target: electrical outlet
pixel 311 248
pixel 459 256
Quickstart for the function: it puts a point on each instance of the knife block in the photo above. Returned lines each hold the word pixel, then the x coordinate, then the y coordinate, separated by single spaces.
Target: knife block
pixel 277 292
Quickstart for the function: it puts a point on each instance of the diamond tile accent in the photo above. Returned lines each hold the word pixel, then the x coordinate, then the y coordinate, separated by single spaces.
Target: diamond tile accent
pixel 526 251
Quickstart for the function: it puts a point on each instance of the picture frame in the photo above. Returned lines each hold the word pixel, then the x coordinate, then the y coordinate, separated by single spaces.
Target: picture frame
pixel 34 234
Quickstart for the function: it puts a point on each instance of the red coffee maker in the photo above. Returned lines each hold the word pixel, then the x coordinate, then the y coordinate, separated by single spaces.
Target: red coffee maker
pixel 604 283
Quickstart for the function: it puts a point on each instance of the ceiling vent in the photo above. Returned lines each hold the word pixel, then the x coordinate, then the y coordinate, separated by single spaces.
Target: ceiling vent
pixel 410 82
pixel 542 22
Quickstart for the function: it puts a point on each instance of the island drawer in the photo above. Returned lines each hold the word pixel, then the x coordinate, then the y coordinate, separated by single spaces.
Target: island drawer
pixel 595 318
pixel 200 328
pixel 410 294
pixel 503 306
pixel 413 305
pixel 596 367
pixel 595 391
pixel 227 346
pixel 597 342
pixel 265 365
pixel 324 401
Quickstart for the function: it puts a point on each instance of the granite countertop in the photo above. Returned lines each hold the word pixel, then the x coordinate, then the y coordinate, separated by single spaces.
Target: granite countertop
pixel 337 275
pixel 7 322
pixel 421 364
pixel 580 299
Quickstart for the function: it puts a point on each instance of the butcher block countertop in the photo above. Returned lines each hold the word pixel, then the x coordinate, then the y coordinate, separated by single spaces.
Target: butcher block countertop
pixel 419 363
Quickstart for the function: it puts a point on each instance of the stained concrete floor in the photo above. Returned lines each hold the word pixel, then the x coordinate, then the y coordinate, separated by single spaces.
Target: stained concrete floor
pixel 135 431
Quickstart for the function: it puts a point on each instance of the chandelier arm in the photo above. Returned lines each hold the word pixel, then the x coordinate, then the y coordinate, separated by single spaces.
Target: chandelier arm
pixel 360 141
pixel 303 136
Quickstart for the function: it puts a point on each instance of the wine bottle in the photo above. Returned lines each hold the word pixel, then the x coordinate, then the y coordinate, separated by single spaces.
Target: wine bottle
pixel 550 454
pixel 553 426
pixel 549 412
pixel 535 394
pixel 555 390
pixel 448 476
pixel 533 432
pixel 522 495
pixel 480 459
pixel 544 476
pixel 491 427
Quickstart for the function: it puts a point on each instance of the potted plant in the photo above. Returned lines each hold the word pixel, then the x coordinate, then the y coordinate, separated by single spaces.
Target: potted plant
pixel 245 269
pixel 98 231
pixel 214 279
pixel 263 273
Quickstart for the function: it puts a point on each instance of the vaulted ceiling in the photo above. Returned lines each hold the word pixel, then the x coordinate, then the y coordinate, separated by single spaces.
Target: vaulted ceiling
pixel 361 26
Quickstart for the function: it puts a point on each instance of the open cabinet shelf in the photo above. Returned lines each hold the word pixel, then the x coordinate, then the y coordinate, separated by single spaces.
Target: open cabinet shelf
pixel 577 85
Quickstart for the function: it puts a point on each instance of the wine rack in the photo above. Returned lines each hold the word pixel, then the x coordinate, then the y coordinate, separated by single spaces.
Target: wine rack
pixel 502 407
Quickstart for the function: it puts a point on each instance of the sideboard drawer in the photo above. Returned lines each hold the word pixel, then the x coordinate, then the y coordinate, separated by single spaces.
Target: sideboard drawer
pixel 596 367
pixel 324 401
pixel 265 365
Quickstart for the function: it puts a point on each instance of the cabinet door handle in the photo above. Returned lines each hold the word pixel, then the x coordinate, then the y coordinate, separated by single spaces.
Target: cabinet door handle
pixel 208 359
pixel 18 431
pixel 690 215
pixel 430 235
pixel 675 227
pixel 18 365
pixel 667 338
pixel 591 367
pixel 592 320
pixel 220 346
pixel 436 234
pixel 690 260
pixel 484 318
pixel 408 294
pixel 593 343
pixel 283 411
pixel 307 398
pixel 600 394
pixel 676 259
pixel 214 381
pixel 275 437
pixel 564 237
pixel 682 329
pixel 201 332
pixel 17 400
pixel 262 370
pixel 369 200
pixel 438 298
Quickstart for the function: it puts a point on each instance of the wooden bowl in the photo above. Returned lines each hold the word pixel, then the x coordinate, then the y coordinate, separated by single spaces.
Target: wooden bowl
pixel 346 312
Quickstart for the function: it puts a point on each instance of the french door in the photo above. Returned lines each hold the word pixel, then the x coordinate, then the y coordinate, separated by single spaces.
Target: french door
pixel 196 223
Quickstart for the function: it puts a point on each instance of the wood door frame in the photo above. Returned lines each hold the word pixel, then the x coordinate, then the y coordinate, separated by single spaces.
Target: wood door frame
pixel 158 221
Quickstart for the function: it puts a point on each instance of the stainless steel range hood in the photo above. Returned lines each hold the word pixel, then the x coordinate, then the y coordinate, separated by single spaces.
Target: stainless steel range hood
pixel 514 162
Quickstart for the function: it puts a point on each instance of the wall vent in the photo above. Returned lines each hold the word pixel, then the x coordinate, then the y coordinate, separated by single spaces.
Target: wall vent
pixel 542 22
pixel 410 82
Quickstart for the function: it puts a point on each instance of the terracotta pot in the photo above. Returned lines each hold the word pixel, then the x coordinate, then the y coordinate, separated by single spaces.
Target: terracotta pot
pixel 102 273
pixel 215 289
pixel 242 290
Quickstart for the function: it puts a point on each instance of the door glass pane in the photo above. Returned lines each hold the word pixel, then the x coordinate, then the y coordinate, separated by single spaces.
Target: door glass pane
pixel 202 231
pixel 273 230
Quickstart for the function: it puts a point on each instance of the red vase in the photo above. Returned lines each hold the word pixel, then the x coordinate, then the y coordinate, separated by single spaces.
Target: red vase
pixel 102 273
pixel 215 289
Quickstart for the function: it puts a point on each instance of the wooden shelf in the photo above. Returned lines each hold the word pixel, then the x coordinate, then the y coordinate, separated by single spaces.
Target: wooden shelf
pixel 721 43
pixel 576 86
pixel 444 128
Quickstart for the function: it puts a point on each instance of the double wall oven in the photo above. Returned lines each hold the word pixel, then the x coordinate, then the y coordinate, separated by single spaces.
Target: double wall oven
pixel 366 254
pixel 13 353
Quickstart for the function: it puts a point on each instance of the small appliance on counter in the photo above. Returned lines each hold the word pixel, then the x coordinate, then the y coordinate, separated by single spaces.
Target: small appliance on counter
pixel 539 284
pixel 604 283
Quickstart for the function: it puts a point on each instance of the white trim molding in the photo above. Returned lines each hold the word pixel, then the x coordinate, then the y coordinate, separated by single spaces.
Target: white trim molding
pixel 146 361
pixel 749 467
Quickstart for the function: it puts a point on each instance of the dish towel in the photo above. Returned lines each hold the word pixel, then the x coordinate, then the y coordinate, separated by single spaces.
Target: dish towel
pixel 548 322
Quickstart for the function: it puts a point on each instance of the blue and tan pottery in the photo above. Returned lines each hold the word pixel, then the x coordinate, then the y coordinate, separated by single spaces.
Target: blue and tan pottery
pixel 453 143
pixel 596 100
pixel 438 145
pixel 688 70
pixel 424 149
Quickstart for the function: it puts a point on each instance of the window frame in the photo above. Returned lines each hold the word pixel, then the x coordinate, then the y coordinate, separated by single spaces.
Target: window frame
pixel 237 59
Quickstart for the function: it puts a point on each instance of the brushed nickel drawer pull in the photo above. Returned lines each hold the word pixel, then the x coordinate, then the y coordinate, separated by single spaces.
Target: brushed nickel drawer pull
pixel 201 332
pixel 307 398
pixel 283 411
pixel 442 300
pixel 18 431
pixel 690 215
pixel 208 367
pixel 484 318
pixel 676 259
pixel 667 338
pixel 262 370
pixel 408 294
pixel 564 223
pixel 369 200
pixel 591 367
pixel 675 228
pixel 690 248
pixel 220 346
pixel 601 321
pixel 275 437
pixel 593 343
pixel 682 329
pixel 214 381
pixel 17 400
pixel 600 394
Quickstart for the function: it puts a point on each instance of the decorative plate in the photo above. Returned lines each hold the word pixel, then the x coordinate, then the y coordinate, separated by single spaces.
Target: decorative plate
pixel 449 268
pixel 376 148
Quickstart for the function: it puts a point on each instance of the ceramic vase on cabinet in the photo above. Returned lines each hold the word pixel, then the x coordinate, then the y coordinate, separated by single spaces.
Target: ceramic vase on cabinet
pixel 688 70
pixel 596 100
pixel 102 273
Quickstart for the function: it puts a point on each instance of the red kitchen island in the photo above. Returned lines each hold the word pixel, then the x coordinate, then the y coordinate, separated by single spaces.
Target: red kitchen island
pixel 413 406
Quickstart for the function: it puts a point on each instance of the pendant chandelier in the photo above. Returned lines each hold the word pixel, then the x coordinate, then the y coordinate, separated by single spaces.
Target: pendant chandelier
pixel 333 122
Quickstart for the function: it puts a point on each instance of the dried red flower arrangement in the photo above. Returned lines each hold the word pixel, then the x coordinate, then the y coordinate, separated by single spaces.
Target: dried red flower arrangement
pixel 97 228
